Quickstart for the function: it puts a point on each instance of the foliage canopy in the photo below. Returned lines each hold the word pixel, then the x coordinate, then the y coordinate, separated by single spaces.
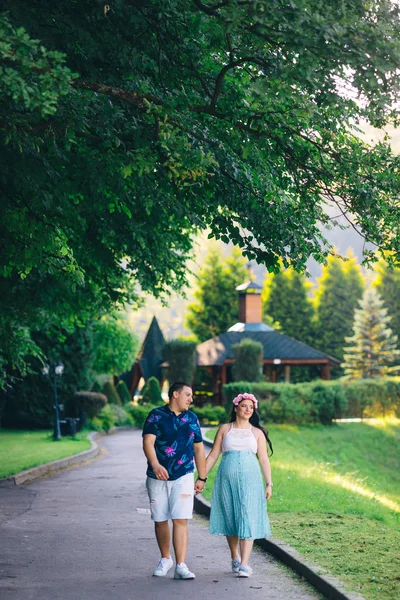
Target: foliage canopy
pixel 127 127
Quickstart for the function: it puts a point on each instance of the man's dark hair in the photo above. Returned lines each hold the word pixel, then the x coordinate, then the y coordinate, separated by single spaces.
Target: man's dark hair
pixel 176 387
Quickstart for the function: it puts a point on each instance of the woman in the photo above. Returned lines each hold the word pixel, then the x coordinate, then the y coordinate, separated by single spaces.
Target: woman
pixel 238 508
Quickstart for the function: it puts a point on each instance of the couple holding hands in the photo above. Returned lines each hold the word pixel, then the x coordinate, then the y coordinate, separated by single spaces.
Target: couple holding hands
pixel 173 445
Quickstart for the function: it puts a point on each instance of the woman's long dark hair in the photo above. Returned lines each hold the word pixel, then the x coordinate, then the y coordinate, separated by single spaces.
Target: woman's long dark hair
pixel 255 421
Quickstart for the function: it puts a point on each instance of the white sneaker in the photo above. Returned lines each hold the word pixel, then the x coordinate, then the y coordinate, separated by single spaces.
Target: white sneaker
pixel 235 565
pixel 163 567
pixel 245 571
pixel 182 572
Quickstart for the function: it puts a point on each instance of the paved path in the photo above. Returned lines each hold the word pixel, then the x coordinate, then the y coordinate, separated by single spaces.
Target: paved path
pixel 85 534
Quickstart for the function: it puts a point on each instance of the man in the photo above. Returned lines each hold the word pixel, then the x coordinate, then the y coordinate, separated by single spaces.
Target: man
pixel 172 443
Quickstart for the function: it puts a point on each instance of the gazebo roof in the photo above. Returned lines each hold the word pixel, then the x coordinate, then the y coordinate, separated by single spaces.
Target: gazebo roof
pixel 150 356
pixel 216 351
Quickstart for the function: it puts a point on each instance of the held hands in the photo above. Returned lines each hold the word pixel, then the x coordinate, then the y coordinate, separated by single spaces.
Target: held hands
pixel 199 486
pixel 160 472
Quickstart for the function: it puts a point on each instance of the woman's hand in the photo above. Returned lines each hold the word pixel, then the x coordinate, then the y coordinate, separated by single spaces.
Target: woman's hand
pixel 268 492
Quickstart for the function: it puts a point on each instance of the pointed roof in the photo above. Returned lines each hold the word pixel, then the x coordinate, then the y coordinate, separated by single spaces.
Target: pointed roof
pixel 150 356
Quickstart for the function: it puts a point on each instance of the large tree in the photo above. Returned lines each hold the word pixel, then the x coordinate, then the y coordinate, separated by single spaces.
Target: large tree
pixel 127 126
pixel 371 351
pixel 339 290
pixel 215 307
pixel 285 301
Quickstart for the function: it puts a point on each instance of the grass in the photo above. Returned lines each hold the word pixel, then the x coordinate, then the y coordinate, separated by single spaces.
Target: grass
pixel 20 450
pixel 337 500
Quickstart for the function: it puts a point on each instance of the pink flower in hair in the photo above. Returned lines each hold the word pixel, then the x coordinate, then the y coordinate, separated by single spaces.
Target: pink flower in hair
pixel 245 396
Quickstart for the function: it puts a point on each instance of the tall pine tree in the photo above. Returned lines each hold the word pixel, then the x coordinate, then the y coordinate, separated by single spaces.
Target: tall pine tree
pixel 371 351
pixel 215 307
pixel 340 287
pixel 285 301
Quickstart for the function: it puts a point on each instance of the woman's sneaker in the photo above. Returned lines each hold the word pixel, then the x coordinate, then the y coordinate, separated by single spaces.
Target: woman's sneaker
pixel 182 572
pixel 235 565
pixel 163 567
pixel 245 571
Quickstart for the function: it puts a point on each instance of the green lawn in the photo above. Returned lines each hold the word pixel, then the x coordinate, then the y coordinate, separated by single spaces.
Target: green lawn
pixel 337 500
pixel 20 450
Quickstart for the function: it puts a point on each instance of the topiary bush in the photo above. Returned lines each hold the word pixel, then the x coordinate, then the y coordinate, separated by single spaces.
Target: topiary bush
pixel 180 356
pixel 138 413
pixel 104 421
pixel 123 392
pixel 248 356
pixel 151 393
pixel 90 403
pixel 111 393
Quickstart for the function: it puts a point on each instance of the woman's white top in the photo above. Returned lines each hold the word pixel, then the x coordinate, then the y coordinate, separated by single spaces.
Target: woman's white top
pixel 239 439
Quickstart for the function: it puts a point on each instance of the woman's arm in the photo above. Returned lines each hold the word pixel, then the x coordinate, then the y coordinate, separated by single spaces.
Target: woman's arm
pixel 265 465
pixel 216 449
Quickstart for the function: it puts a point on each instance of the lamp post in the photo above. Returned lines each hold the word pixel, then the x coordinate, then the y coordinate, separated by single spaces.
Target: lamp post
pixel 56 369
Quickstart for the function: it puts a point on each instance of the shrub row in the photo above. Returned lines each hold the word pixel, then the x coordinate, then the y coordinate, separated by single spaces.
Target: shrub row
pixel 210 415
pixel 321 401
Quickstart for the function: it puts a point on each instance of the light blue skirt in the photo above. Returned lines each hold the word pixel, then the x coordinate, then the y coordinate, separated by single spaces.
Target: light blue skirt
pixel 238 504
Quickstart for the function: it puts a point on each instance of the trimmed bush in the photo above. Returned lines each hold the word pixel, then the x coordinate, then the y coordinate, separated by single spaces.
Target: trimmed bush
pixel 321 401
pixel 248 356
pixel 138 413
pixel 123 392
pixel 151 393
pixel 111 393
pixel 96 387
pixel 180 356
pixel 372 397
pixel 210 414
pixel 90 403
pixel 121 416
pixel 105 420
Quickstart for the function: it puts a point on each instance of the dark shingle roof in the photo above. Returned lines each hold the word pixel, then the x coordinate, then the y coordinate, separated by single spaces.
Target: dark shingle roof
pixel 275 345
pixel 151 354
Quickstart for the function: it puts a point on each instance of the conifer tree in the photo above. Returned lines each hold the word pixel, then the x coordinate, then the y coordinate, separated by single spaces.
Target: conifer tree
pixel 215 307
pixel 339 289
pixel 371 351
pixel 387 284
pixel 285 301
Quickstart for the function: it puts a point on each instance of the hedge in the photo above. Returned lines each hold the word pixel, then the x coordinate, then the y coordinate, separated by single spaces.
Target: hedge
pixel 210 414
pixel 321 401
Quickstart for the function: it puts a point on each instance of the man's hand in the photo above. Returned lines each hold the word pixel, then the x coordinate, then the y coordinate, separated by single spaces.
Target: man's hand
pixel 199 487
pixel 160 472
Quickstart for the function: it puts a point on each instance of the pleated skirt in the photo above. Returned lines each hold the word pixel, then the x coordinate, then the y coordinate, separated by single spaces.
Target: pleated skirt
pixel 238 504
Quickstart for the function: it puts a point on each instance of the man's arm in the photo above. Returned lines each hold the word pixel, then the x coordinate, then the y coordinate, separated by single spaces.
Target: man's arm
pixel 148 448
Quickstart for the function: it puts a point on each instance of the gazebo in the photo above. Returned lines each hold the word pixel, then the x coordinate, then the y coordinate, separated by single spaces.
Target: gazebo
pixel 280 352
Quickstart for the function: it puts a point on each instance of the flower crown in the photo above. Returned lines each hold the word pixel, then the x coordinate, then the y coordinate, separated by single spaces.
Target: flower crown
pixel 245 396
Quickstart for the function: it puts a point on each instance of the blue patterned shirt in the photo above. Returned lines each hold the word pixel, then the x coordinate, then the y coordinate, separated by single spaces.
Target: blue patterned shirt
pixel 175 436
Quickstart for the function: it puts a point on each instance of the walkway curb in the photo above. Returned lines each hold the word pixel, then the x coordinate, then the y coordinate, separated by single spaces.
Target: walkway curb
pixel 319 578
pixel 62 463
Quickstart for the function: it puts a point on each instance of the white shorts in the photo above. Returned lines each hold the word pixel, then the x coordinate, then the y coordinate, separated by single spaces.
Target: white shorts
pixel 171 499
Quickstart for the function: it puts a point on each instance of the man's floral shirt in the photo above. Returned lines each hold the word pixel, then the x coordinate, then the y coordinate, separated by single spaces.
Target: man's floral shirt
pixel 175 436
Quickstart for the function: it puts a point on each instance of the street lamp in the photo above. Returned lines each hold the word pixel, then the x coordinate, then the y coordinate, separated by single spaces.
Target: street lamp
pixel 57 370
